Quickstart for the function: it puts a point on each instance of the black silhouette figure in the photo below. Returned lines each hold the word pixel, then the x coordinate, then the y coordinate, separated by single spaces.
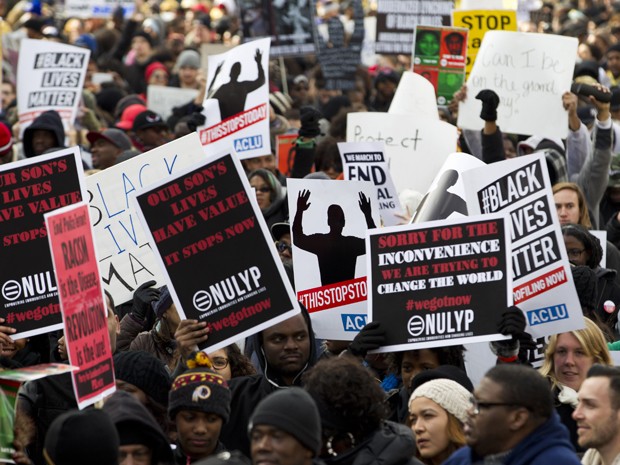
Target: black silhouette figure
pixel 336 253
pixel 232 95
pixel 439 204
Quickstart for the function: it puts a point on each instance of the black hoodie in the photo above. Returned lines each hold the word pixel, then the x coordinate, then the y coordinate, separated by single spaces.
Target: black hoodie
pixel 49 120
pixel 248 391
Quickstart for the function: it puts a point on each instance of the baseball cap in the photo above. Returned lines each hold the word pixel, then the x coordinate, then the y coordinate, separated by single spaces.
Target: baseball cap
pixel 115 137
pixel 148 119
pixel 129 115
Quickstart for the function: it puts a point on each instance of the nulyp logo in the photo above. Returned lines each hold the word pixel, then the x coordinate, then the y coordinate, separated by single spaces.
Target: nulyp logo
pixel 28 286
pixel 415 325
pixel 457 321
pixel 228 289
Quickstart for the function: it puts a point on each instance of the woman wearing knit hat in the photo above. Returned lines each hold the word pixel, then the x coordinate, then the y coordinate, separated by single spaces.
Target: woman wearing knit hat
pixel 437 412
pixel 199 404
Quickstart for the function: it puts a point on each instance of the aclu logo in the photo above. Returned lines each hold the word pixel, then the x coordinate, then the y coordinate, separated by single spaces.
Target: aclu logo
pixel 249 143
pixel 228 289
pixel 353 322
pixel 33 285
pixel 432 324
pixel 547 314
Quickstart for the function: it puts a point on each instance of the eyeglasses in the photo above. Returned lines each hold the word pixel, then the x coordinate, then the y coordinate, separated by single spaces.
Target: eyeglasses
pixel 575 253
pixel 263 189
pixel 219 363
pixel 283 247
pixel 476 405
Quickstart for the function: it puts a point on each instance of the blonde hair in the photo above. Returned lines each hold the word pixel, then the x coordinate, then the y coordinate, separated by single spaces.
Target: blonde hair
pixel 592 341
pixel 456 437
pixel 584 215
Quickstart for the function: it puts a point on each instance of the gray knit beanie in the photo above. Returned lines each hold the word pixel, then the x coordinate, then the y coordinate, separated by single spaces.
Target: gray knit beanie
pixel 448 394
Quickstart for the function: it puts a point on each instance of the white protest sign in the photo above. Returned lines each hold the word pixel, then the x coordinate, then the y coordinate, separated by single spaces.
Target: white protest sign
pixel 125 257
pixel 446 197
pixel 162 99
pixel 486 5
pixel 602 238
pixel 97 8
pixel 415 146
pixel 365 161
pixel 529 72
pixel 542 282
pixel 329 224
pixel 236 103
pixel 50 77
pixel 415 95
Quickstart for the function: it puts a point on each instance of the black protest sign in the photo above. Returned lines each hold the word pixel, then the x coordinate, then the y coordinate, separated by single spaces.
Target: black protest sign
pixel 397 19
pixel 439 283
pixel 211 239
pixel 339 56
pixel 28 189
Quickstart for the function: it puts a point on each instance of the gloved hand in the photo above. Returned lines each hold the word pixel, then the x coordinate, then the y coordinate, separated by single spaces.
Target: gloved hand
pixel 143 297
pixel 309 117
pixel 372 336
pixel 490 102
pixel 513 323
pixel 196 119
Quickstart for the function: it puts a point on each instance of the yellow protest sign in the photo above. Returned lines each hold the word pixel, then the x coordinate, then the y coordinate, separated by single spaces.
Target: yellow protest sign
pixel 479 22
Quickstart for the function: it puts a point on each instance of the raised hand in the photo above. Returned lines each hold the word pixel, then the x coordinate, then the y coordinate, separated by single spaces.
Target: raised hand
pixel 302 200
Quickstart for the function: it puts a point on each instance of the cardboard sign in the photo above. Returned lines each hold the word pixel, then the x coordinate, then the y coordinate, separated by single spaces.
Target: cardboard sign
pixel 125 257
pixel 365 161
pixel 529 72
pixel 50 77
pixel 28 189
pixel 97 8
pixel 415 146
pixel 285 153
pixel 82 302
pixel 163 99
pixel 237 101
pixel 396 21
pixel 211 241
pixel 330 219
pixel 479 22
pixel 415 95
pixel 542 282
pixel 439 283
pixel 287 23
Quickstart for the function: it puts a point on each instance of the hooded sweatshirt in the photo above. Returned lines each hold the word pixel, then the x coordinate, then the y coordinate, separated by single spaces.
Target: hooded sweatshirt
pixel 49 120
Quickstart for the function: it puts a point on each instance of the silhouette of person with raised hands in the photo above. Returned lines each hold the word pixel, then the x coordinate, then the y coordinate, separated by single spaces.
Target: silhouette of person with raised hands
pixel 232 95
pixel 337 254
pixel 439 204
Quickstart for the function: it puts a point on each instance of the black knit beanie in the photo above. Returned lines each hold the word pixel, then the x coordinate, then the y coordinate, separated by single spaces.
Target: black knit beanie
pixel 585 283
pixel 200 389
pixel 293 411
pixel 144 371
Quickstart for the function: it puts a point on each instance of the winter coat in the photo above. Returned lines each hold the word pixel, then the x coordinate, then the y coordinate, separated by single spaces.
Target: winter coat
pixel 607 289
pixel 592 457
pixel 49 120
pixel 156 343
pixel 547 445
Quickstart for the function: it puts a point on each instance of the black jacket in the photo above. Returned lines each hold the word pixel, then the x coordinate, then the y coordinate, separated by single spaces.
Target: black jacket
pixel 49 120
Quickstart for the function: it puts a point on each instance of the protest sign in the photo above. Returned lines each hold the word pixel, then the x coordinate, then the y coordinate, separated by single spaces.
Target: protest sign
pixel 365 161
pixel 287 22
pixel 415 146
pixel 285 154
pixel 486 4
pixel 529 72
pixel 125 257
pixel 28 189
pixel 216 251
pixel 162 99
pixel 97 8
pixel 50 77
pixel 415 95
pixel 542 284
pixel 439 283
pixel 446 197
pixel 602 238
pixel 396 20
pixel 439 55
pixel 329 251
pixel 340 53
pixel 237 101
pixel 83 306
pixel 479 22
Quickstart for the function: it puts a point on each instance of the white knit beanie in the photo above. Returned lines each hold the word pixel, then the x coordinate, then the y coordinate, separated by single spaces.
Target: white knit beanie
pixel 448 394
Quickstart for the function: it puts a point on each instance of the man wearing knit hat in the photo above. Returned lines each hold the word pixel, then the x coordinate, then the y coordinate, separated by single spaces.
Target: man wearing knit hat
pixel 280 438
pixel 187 67
pixel 106 146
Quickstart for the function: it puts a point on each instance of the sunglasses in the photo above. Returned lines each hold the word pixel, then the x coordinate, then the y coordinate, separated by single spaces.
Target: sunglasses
pixel 283 247
pixel 263 189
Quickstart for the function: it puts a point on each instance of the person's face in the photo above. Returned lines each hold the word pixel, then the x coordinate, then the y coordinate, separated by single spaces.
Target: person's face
pixel 158 78
pixel 428 44
pixel 614 194
pixel 577 253
pixel 140 46
pixel 570 361
pixel 415 362
pixel 132 389
pixel 221 363
pixel 134 454
pixel 198 432
pixel 272 446
pixel 104 154
pixel 455 45
pixel 598 422
pixel 287 252
pixel 429 423
pixel 267 162
pixel 263 192
pixel 286 346
pixel 43 140
pixel 613 62
pixel 172 317
pixel 567 206
pixel 9 350
pixel 154 137
pixel 8 94
pixel 187 75
pixel 62 348
pixel 299 93
pixel 509 149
